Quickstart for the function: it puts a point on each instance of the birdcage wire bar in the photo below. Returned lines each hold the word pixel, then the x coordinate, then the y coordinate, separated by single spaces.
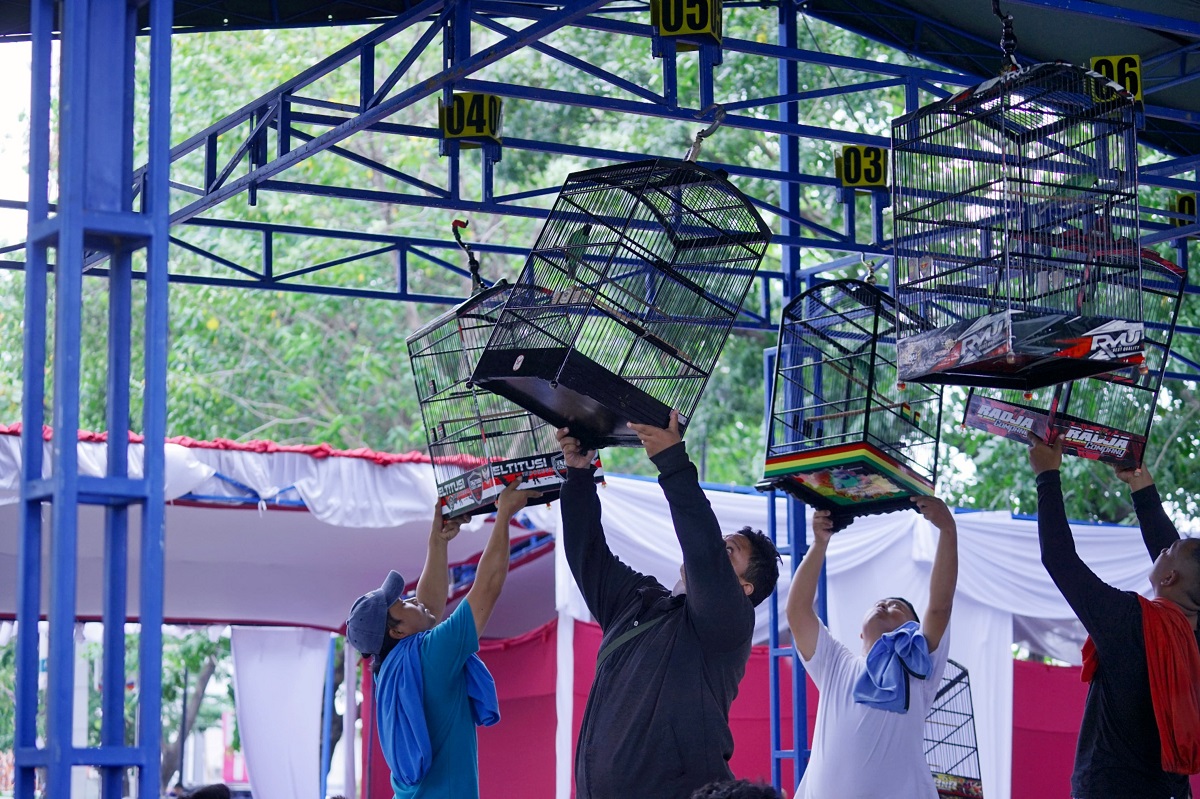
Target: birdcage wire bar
pixel 844 434
pixel 478 442
pixel 1016 229
pixel 951 748
pixel 627 298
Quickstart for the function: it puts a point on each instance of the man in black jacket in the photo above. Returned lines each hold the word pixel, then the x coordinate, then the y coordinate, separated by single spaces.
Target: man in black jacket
pixel 656 724
pixel 1120 752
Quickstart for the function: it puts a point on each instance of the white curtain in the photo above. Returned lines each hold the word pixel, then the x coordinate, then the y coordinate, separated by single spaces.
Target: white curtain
pixel 279 677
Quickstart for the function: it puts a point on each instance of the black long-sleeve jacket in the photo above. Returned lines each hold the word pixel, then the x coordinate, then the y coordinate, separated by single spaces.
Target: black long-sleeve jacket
pixel 1118 753
pixel 656 724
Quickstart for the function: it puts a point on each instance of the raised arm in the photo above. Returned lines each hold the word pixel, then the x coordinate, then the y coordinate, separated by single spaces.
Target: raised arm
pixel 719 608
pixel 1091 598
pixel 492 569
pixel 1158 532
pixel 944 576
pixel 607 584
pixel 801 615
pixel 434 583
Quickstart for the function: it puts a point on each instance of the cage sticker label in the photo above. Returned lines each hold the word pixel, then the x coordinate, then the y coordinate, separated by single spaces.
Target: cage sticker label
pixel 1116 340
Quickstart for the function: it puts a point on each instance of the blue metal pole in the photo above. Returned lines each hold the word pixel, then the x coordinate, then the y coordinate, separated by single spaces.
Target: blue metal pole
pixel 33 416
pixel 327 724
pixel 155 402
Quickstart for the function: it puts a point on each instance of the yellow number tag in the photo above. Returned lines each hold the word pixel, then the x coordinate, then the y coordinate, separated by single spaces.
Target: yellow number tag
pixel 1185 206
pixel 700 18
pixel 472 116
pixel 863 166
pixel 1124 70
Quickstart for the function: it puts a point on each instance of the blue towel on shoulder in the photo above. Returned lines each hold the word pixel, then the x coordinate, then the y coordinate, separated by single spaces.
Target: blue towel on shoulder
pixel 895 657
pixel 400 710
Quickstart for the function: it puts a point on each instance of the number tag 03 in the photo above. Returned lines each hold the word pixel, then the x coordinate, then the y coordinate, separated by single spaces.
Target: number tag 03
pixel 1124 70
pixel 862 166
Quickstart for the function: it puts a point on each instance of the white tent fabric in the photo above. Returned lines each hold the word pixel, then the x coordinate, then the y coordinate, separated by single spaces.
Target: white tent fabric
pixel 281 736
pixel 291 567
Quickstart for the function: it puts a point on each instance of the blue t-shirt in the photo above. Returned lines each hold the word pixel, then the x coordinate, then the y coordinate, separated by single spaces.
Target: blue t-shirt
pixel 454 773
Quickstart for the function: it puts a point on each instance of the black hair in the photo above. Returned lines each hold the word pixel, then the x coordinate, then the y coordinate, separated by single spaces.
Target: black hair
pixel 735 789
pixel 389 643
pixel 908 605
pixel 1194 589
pixel 763 569
pixel 216 791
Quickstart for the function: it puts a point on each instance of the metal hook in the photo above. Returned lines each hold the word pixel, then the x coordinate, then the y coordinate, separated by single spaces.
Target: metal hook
pixel 719 118
pixel 870 265
pixel 472 261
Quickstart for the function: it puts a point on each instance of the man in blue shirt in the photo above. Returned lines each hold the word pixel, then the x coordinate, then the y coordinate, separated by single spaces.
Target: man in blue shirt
pixel 432 690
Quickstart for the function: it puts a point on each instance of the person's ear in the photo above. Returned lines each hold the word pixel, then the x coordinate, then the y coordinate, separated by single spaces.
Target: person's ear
pixel 747 587
pixel 1170 578
pixel 393 632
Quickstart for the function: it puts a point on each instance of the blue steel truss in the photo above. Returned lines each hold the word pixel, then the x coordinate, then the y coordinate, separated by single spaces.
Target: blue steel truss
pixel 94 213
pixel 255 149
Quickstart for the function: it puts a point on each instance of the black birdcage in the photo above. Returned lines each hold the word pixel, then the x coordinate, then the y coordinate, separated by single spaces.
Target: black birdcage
pixel 1016 231
pixel 1106 417
pixel 950 745
pixel 478 442
pixel 844 434
pixel 627 299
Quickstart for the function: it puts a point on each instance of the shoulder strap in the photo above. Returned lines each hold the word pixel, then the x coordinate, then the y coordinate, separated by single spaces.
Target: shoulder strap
pixel 632 632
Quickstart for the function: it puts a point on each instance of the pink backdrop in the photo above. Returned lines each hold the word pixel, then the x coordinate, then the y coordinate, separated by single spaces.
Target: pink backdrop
pixel 516 757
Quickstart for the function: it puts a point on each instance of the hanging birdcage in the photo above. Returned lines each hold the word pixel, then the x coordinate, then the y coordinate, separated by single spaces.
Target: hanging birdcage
pixel 478 442
pixel 1015 216
pixel 844 435
pixel 950 745
pixel 1106 417
pixel 627 299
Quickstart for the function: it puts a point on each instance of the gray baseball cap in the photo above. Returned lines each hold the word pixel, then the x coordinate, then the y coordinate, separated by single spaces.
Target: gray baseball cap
pixel 367 625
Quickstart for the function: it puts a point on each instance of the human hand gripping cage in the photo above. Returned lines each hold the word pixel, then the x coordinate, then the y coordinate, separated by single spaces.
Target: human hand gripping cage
pixel 626 300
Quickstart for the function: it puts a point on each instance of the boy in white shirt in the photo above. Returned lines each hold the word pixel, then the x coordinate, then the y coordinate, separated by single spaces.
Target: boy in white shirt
pixel 869 737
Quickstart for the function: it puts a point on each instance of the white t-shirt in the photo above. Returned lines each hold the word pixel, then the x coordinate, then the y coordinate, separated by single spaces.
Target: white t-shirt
pixel 862 752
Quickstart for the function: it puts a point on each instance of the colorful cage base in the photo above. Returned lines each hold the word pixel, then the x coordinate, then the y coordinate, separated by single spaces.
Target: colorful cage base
pixel 850 480
pixel 475 490
pixel 1081 438
pixel 1012 349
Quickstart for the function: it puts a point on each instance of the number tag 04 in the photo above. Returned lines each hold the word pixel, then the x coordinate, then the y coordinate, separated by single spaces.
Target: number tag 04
pixel 472 115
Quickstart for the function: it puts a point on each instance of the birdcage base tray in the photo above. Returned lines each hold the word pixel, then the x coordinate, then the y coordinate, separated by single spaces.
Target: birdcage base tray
pixel 475 490
pixel 569 390
pixel 1020 350
pixel 948 785
pixel 1081 438
pixel 850 480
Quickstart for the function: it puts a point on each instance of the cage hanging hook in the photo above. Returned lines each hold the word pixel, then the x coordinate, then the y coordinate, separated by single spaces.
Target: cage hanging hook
pixel 719 117
pixel 472 261
pixel 870 265
pixel 1008 40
